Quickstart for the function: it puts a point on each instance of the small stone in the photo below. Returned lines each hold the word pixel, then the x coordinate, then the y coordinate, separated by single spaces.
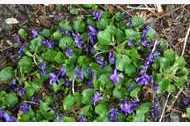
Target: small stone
pixel 11 21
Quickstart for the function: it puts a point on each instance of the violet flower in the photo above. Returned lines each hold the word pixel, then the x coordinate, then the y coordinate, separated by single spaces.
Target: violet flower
pixel 34 33
pixel 48 43
pixel 89 49
pixel 97 15
pixel 78 40
pixel 13 85
pixel 114 77
pixel 62 72
pixel 21 91
pixel 42 66
pixel 113 115
pixel 185 102
pixel 129 107
pixel 100 60
pixel 82 119
pixel 4 116
pixel 79 73
pixel 69 52
pixel 92 33
pixel 130 43
pixel 156 110
pixel 53 79
pixel 24 107
pixel 144 79
pixel 97 97
pixel 21 51
pixel 144 41
pixel 111 57
pixel 67 83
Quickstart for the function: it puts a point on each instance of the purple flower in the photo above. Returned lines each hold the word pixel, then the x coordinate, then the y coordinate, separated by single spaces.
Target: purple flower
pixel 62 72
pixel 144 41
pixel 113 115
pixel 48 43
pixel 13 85
pixel 4 116
pixel 67 83
pixel 21 51
pixel 69 52
pixel 114 77
pixel 144 79
pixel 78 40
pixel 185 102
pixel 130 43
pixel 100 60
pixel 34 33
pixel 156 110
pixel 97 15
pixel 82 119
pixel 17 39
pixel 79 73
pixel 111 57
pixel 89 49
pixel 89 83
pixel 24 107
pixel 128 107
pixel 97 97
pixel 21 91
pixel 42 66
pixel 92 33
pixel 53 79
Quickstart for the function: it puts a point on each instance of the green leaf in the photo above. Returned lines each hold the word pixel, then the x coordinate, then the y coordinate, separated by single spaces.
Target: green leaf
pixel 57 35
pixel 135 92
pixel 32 87
pixel 59 58
pixel 137 22
pixel 170 55
pixel 45 32
pixel 68 119
pixel 130 69
pixel 151 34
pixel 22 33
pixel 122 61
pixel 103 23
pixel 142 112
pixel 79 25
pixel 86 110
pixel 27 117
pixel 104 37
pixel 11 100
pixel 118 92
pixel 130 34
pixel 68 102
pixel 163 84
pixel 119 35
pixel 49 55
pixel 65 25
pixel 35 44
pixel 87 96
pixel 6 74
pixel 188 113
pixel 111 29
pixel 66 41
pixel 25 64
pixel 101 109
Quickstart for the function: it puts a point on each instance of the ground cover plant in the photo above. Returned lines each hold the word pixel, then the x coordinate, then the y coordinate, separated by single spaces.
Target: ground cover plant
pixel 94 67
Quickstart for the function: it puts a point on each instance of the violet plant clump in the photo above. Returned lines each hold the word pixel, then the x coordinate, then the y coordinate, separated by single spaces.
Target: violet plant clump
pixel 93 67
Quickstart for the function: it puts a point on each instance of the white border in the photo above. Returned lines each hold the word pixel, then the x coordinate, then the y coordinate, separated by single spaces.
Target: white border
pixel 97 124
pixel 94 1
